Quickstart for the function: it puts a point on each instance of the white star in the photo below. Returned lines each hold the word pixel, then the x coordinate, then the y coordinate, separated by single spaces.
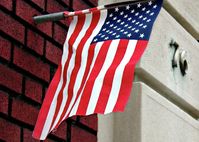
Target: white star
pixel 136 14
pixel 129 27
pixel 133 21
pixel 155 6
pixel 117 36
pixel 132 11
pixel 106 38
pixel 144 26
pixel 137 23
pixel 144 18
pixel 99 34
pixel 144 8
pixel 127 7
pixel 122 13
pixel 111 25
pixel 104 29
pixel 152 13
pixel 140 25
pixel 129 18
pixel 107 31
pixel 118 29
pixel 116 9
pixel 114 18
pixel 122 30
pixel 95 39
pixel 148 20
pixel 122 23
pixel 115 27
pixel 125 16
pixel 126 25
pixel 125 32
pixel 132 29
pixel 118 21
pixel 148 11
pixel 150 3
pixel 114 34
pixel 107 22
pixel 110 32
pixel 136 31
pixel 103 36
pixel 140 16
pixel 111 15
pixel 142 35
pixel 138 5
pixel 129 35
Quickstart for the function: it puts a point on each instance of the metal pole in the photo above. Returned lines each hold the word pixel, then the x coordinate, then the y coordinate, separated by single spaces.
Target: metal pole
pixel 49 17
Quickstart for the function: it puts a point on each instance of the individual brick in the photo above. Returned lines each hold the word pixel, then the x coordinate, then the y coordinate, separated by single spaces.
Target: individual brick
pixel 12 27
pixel 25 11
pixel 24 112
pixel 90 121
pixel 45 27
pixel 7 4
pixel 31 64
pixel 80 135
pixel 53 53
pixel 3 102
pixel 59 34
pixel 9 132
pixel 35 42
pixel 5 49
pixel 79 5
pixel 33 90
pixel 40 3
pixel 27 136
pixel 54 6
pixel 61 130
pixel 11 79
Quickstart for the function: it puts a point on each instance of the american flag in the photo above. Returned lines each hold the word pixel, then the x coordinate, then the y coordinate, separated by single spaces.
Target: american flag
pixel 96 72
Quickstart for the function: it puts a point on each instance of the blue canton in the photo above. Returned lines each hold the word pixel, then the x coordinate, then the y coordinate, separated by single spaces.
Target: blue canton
pixel 129 22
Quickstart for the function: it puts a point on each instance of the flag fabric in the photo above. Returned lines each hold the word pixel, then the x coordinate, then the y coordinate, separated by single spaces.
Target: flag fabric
pixel 97 66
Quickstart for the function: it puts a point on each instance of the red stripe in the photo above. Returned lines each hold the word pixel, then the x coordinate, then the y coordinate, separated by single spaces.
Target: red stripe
pixel 127 78
pixel 80 47
pixel 94 73
pixel 108 79
pixel 46 104
pixel 72 39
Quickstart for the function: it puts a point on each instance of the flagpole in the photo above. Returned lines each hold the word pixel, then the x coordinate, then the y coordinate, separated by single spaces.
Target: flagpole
pixel 61 15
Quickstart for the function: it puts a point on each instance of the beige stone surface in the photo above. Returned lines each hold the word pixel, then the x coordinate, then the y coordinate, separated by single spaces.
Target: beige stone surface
pixel 186 13
pixel 155 66
pixel 149 117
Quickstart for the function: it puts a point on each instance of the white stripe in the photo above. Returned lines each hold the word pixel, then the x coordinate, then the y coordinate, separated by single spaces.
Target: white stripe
pixel 71 67
pixel 51 112
pixel 99 80
pixel 117 80
pixel 84 56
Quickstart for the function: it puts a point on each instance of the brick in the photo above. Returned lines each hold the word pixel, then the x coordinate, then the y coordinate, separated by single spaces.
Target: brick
pixel 79 5
pixel 24 112
pixel 40 3
pixel 5 49
pixel 35 42
pixel 3 102
pixel 80 135
pixel 59 34
pixel 33 90
pixel 31 64
pixel 45 27
pixel 7 4
pixel 9 132
pixel 90 121
pixel 12 27
pixel 61 131
pixel 25 11
pixel 27 136
pixel 54 6
pixel 53 53
pixel 11 79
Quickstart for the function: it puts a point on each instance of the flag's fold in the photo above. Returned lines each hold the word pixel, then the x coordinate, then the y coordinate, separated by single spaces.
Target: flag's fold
pixel 97 66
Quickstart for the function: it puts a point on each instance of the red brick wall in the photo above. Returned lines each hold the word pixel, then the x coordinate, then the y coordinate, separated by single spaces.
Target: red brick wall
pixel 29 55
